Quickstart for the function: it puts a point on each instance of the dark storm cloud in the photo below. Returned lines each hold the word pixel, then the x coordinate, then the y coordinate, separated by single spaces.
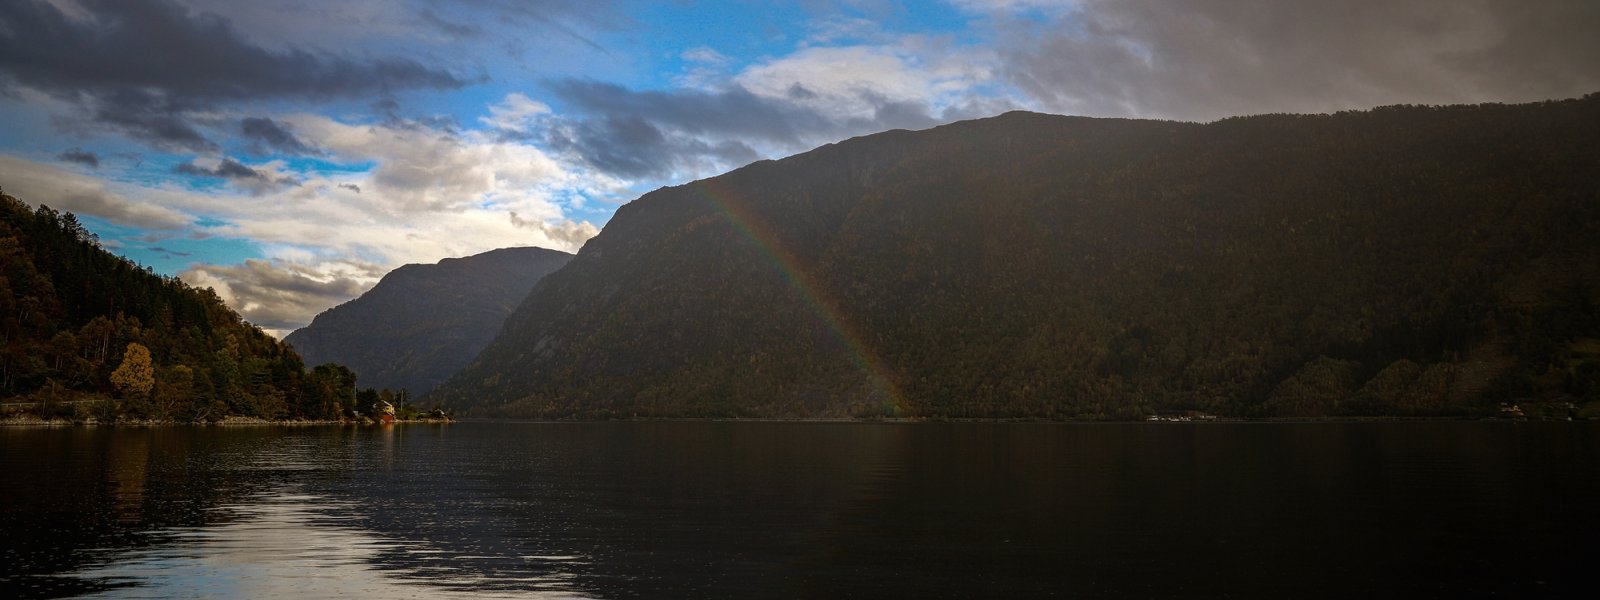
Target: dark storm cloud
pixel 648 133
pixel 1206 59
pixel 148 116
pixel 167 252
pixel 733 111
pixel 159 44
pixel 80 156
pixel 565 17
pixel 393 116
pixel 267 135
pixel 450 28
pixel 630 146
pixel 254 180
pixel 129 62
pixel 227 169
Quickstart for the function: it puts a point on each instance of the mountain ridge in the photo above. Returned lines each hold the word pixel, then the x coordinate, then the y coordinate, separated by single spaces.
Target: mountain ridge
pixel 421 322
pixel 1030 265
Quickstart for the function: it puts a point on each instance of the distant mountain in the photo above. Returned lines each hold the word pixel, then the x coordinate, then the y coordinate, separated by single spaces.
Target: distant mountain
pixel 86 333
pixel 1406 260
pixel 422 323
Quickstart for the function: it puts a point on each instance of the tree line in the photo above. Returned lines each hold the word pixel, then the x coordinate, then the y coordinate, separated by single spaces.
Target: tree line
pixel 84 332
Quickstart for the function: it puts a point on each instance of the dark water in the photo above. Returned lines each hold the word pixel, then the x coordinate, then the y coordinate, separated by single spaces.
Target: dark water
pixel 704 509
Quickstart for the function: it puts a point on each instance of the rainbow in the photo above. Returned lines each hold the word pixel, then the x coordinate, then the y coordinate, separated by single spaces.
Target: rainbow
pixel 789 269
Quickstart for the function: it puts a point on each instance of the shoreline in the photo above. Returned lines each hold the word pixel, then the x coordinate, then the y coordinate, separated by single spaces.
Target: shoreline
pixel 1007 421
pixel 29 421
pixel 32 421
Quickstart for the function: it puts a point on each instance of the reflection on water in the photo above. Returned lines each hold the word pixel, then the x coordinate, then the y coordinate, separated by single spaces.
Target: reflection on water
pixel 693 509
pixel 284 545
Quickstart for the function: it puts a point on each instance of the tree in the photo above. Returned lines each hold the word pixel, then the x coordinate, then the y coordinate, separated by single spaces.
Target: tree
pixel 136 375
pixel 173 388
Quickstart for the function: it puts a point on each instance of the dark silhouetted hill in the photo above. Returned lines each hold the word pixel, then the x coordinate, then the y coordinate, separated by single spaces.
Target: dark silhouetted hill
pixel 1405 260
pixel 422 323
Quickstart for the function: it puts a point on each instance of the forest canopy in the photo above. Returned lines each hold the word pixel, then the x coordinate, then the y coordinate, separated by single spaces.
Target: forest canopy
pixel 84 332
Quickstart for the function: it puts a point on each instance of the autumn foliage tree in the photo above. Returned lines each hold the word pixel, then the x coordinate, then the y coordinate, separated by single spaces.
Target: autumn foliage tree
pixel 136 375
pixel 67 306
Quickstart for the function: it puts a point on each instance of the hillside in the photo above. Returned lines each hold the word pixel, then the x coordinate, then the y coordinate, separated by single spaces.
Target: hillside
pixel 84 332
pixel 422 323
pixel 1401 261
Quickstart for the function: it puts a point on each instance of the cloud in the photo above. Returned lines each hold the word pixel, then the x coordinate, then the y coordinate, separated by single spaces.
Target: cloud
pixel 515 114
pixel 281 296
pixel 144 68
pixel 225 169
pixel 450 28
pixel 322 258
pixel 632 146
pixel 257 181
pixel 39 183
pixel 419 194
pixel 1212 58
pixel 80 156
pixel 813 96
pixel 159 44
pixel 420 169
pixel 730 111
pixel 705 55
pixel 429 194
pixel 566 17
pixel 570 234
pixel 267 136
pixel 854 82
pixel 145 115
pixel 1003 6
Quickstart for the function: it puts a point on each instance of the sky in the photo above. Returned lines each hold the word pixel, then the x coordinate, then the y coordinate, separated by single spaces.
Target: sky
pixel 288 153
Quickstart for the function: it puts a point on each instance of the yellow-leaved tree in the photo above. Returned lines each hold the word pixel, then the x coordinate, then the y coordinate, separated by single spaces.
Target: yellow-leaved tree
pixel 136 375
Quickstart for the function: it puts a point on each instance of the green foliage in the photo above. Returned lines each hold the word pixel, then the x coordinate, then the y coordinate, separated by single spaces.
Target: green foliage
pixel 1405 260
pixel 78 323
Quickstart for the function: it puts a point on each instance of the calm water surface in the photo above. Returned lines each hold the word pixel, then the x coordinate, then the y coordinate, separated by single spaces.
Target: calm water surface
pixel 715 509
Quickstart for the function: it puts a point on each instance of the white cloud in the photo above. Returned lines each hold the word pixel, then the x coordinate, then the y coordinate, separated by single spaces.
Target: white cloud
pixel 839 28
pixel 276 294
pixel 516 113
pixel 707 69
pixel 1000 6
pixel 62 189
pixel 419 169
pixel 845 82
pixel 705 55
pixel 429 194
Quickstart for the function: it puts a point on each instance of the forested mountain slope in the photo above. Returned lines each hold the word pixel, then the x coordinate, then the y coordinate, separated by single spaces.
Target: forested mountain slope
pixel 1400 261
pixel 422 323
pixel 85 332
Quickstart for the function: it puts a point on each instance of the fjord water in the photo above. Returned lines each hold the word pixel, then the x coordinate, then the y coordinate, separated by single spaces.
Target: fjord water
pixel 763 509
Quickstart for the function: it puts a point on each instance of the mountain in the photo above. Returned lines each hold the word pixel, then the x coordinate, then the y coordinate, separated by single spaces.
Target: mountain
pixel 422 323
pixel 1407 260
pixel 86 333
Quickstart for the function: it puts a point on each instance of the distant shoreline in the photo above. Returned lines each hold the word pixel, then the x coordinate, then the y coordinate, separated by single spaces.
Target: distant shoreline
pixel 1217 421
pixel 28 421
pixel 31 421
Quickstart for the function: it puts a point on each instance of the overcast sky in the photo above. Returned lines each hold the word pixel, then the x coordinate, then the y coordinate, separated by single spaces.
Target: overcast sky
pixel 289 153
